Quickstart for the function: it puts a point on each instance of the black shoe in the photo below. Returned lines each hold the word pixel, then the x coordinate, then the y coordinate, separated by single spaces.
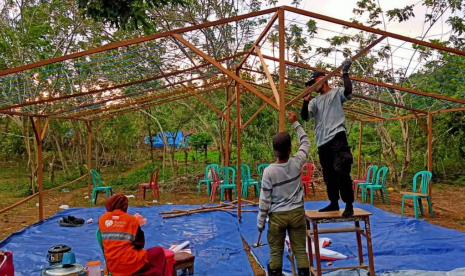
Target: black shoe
pixel 274 272
pixel 71 221
pixel 333 206
pixel 349 211
pixel 304 271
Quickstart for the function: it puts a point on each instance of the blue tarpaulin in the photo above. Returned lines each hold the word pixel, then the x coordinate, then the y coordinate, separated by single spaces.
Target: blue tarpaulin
pixel 398 243
pixel 173 139
pixel 214 237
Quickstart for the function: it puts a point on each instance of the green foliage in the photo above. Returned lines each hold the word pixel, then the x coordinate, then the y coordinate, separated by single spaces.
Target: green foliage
pixel 200 140
pixel 124 13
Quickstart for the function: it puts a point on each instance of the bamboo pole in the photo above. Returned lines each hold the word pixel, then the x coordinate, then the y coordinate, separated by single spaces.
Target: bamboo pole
pixel 89 157
pixel 238 118
pixel 360 136
pixel 228 128
pixel 430 151
pixel 282 71
pixel 38 135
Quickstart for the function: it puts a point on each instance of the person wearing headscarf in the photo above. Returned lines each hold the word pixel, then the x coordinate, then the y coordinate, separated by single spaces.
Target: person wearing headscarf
pixel 123 242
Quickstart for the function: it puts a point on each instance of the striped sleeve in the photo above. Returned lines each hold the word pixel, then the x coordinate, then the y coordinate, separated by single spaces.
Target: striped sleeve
pixel 304 144
pixel 265 200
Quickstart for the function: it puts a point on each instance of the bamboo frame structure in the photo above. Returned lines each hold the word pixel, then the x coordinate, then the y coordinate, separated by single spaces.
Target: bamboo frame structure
pixel 81 105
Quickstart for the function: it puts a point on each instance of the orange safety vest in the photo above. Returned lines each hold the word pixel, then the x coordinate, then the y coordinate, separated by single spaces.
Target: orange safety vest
pixel 119 231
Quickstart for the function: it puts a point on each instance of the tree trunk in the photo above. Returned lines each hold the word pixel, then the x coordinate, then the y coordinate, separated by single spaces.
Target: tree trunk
pixel 151 144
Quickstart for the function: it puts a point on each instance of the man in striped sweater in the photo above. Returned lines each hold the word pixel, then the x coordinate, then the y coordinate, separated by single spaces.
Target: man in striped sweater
pixel 281 199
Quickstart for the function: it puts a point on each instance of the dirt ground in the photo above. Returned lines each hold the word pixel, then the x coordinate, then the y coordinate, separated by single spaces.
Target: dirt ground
pixel 449 207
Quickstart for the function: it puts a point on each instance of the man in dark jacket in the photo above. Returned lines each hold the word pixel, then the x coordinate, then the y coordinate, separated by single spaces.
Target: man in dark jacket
pixel 331 139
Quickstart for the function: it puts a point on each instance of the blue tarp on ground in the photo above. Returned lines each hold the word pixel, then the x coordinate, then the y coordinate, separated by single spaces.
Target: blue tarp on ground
pixel 398 243
pixel 214 236
pixel 157 141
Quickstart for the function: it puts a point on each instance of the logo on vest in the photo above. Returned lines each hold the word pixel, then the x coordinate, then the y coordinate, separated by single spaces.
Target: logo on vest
pixel 108 223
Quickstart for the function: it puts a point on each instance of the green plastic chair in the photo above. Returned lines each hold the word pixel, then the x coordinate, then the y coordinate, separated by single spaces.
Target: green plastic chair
pixel 208 179
pixel 246 180
pixel 261 169
pixel 98 235
pixel 98 187
pixel 416 197
pixel 370 180
pixel 382 173
pixel 227 176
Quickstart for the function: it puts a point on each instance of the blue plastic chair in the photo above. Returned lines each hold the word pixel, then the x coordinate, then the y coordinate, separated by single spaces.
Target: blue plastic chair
pixel 98 187
pixel 246 180
pixel 98 235
pixel 208 179
pixel 227 177
pixel 381 175
pixel 371 173
pixel 416 197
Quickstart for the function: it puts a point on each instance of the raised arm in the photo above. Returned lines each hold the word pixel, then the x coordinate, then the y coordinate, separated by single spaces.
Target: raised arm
pixel 304 143
pixel 345 76
pixel 306 113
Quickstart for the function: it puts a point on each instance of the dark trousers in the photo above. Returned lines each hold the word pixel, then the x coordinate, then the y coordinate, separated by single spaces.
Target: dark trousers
pixel 336 161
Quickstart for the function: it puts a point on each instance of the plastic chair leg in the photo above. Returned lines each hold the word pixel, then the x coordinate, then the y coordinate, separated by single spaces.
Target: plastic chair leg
pixel 106 192
pixel 415 207
pixel 222 194
pixel 402 210
pixel 96 197
pixel 92 197
pixel 371 195
pixel 421 206
pixel 140 191
pixel 387 198
pixel 430 206
pixel 235 192
pixel 208 188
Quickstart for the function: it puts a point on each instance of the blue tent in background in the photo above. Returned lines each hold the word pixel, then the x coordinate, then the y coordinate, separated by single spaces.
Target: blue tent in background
pixel 176 139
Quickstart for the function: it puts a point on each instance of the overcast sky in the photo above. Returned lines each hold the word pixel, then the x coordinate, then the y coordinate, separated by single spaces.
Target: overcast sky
pixel 342 9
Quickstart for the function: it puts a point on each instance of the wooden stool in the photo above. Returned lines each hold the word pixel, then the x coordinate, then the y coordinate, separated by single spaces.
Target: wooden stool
pixel 314 217
pixel 183 261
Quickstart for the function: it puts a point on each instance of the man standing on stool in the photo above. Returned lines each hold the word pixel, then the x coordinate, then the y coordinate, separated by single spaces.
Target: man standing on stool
pixel 331 139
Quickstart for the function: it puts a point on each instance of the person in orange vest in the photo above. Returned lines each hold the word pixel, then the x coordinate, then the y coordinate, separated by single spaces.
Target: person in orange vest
pixel 123 242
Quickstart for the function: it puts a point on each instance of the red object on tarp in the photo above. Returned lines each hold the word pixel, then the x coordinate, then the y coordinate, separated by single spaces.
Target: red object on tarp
pixel 8 268
pixel 169 255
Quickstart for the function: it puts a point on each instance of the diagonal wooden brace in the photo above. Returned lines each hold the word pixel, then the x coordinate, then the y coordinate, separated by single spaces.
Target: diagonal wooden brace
pixel 335 71
pixel 225 71
pixel 268 75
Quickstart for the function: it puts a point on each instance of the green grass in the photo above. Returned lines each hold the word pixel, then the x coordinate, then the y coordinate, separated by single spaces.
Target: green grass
pixel 213 156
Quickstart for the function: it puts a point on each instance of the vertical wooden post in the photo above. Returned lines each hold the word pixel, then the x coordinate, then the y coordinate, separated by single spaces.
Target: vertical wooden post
pixel 239 125
pixel 282 70
pixel 38 135
pixel 89 157
pixel 430 149
pixel 360 136
pixel 228 127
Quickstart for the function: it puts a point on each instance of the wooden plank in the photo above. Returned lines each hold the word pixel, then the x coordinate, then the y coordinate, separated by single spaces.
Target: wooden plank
pixel 100 126
pixel 338 69
pixel 66 184
pixel 363 113
pixel 314 214
pixel 359 162
pixel 282 70
pixel 259 39
pixel 408 90
pixel 44 130
pixel 268 75
pixel 423 125
pixel 135 41
pixel 102 90
pixel 345 267
pixel 238 145
pixel 337 230
pixel 224 70
pixel 89 158
pixel 256 113
pixel 430 155
pixel 415 194
pixel 18 203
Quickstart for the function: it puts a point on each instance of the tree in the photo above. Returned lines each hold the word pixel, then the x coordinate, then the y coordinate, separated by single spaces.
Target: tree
pixel 200 141
pixel 125 14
